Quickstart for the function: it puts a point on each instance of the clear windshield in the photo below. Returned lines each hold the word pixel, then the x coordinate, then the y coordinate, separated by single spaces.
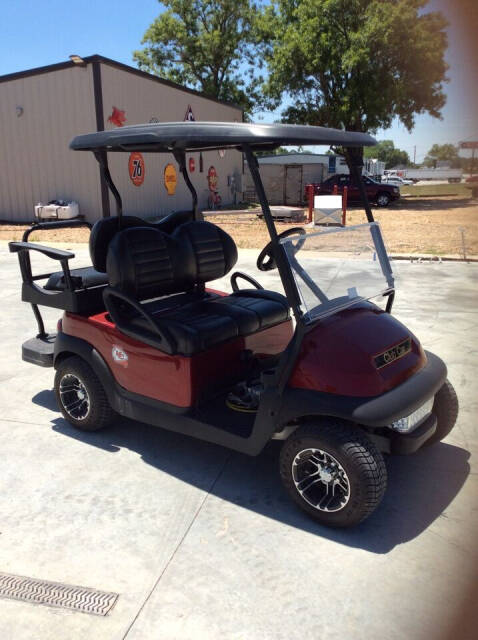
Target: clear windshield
pixel 336 268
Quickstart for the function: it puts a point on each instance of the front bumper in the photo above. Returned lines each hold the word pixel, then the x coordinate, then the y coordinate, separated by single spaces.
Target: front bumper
pixel 404 443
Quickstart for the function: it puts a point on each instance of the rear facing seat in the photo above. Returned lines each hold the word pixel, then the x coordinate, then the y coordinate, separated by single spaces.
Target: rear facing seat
pixel 101 235
pixel 145 264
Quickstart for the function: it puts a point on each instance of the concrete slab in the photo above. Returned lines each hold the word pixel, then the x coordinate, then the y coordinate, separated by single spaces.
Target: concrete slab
pixel 201 542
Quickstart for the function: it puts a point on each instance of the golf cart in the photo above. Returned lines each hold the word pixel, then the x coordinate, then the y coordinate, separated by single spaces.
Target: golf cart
pixel 143 336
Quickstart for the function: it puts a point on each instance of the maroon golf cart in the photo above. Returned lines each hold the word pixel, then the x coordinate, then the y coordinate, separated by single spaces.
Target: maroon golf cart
pixel 319 365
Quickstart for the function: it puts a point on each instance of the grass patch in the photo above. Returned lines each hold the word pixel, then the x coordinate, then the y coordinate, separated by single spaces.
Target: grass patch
pixel 436 190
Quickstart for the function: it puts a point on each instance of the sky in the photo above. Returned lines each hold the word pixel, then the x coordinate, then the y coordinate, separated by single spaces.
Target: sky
pixel 35 33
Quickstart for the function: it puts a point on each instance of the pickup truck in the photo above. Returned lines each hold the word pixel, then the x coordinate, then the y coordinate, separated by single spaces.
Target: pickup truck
pixel 380 194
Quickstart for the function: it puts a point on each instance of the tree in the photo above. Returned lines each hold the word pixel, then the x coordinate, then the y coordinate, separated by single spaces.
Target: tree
pixel 354 64
pixel 388 153
pixel 442 153
pixel 205 45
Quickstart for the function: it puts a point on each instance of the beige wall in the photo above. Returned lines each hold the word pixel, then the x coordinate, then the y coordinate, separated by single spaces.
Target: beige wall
pixel 35 161
pixel 142 99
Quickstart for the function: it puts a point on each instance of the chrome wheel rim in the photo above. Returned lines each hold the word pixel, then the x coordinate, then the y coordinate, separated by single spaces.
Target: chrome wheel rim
pixel 74 397
pixel 382 200
pixel 321 480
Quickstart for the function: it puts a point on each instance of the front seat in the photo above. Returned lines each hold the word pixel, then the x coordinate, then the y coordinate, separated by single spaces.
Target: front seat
pixel 157 292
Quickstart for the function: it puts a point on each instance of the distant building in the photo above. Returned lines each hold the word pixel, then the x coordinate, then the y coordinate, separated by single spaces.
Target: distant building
pixel 285 175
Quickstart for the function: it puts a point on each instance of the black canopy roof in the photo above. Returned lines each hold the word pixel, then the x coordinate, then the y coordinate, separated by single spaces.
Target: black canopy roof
pixel 195 136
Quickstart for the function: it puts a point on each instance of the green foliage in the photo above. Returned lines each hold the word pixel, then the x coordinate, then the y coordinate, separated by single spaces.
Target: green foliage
pixel 442 152
pixel 354 64
pixel 205 45
pixel 386 152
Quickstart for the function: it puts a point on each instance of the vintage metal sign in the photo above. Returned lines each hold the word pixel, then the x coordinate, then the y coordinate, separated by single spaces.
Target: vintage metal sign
pixel 212 179
pixel 136 168
pixel 117 117
pixel 189 117
pixel 170 179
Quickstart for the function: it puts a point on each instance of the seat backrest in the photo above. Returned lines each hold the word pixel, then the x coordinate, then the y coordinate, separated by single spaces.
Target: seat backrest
pixel 146 263
pixel 104 230
pixel 214 250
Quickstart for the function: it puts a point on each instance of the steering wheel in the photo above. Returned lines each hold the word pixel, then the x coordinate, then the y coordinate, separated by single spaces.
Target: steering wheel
pixel 270 263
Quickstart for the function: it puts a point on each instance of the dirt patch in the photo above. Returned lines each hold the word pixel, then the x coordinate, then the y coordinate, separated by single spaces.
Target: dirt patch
pixel 429 225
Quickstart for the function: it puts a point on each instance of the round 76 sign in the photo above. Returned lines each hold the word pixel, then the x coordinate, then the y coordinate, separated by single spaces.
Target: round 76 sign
pixel 136 169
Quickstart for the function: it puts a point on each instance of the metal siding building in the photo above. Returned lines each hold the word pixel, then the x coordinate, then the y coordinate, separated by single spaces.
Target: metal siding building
pixel 285 177
pixel 43 109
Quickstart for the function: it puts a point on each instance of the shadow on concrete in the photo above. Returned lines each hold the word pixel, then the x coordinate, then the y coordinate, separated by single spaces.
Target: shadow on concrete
pixel 420 487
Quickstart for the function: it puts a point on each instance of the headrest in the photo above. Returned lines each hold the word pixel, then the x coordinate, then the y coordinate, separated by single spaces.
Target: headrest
pixel 103 232
pixel 214 250
pixel 145 263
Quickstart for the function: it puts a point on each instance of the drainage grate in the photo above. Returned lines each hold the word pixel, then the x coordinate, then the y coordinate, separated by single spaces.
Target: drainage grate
pixel 56 594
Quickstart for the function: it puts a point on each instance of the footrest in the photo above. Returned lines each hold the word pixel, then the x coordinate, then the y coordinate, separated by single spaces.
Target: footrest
pixel 39 350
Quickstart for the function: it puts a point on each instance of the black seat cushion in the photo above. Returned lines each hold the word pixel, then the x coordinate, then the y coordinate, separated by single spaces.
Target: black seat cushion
pixel 253 309
pixel 82 278
pixel 189 320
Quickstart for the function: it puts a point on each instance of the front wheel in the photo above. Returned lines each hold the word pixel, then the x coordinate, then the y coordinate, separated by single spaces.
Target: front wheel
pixel 333 472
pixel 383 199
pixel 80 395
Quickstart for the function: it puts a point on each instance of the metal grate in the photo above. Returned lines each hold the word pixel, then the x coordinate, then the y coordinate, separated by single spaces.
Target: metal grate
pixel 56 594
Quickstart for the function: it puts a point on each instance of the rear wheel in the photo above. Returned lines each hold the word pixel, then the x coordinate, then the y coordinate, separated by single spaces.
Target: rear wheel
pixel 445 408
pixel 333 472
pixel 80 395
pixel 383 199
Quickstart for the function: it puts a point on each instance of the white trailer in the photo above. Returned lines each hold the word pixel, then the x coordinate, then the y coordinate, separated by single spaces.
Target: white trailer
pixel 451 175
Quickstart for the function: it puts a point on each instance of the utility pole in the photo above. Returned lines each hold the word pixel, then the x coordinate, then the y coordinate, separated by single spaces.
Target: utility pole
pixel 470 145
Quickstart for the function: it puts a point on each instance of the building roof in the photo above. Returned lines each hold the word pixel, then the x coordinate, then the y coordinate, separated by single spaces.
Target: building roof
pixel 296 158
pixel 164 137
pixel 112 63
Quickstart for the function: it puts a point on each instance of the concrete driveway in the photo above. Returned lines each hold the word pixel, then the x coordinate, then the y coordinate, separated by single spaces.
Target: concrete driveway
pixel 200 542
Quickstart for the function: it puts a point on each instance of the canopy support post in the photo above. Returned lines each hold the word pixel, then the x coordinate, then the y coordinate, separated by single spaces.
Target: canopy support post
pixel 356 171
pixel 109 181
pixel 180 157
pixel 279 253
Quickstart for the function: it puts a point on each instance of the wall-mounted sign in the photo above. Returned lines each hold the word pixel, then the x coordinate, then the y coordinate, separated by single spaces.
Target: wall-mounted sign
pixel 117 117
pixel 136 168
pixel 170 179
pixel 221 152
pixel 212 179
pixel 189 117
pixel 192 165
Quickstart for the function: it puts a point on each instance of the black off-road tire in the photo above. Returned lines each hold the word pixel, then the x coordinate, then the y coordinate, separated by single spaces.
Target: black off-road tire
pixel 98 413
pixel 445 408
pixel 359 457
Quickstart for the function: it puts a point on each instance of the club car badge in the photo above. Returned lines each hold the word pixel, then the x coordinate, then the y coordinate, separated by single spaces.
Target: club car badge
pixel 396 352
pixel 119 355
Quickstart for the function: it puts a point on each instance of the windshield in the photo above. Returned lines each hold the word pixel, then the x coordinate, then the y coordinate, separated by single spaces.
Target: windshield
pixel 336 268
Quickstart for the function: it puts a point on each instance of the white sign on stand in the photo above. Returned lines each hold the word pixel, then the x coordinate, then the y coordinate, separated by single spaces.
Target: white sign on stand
pixel 328 209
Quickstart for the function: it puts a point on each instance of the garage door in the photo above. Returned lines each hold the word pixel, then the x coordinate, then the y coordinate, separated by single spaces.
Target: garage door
pixel 293 184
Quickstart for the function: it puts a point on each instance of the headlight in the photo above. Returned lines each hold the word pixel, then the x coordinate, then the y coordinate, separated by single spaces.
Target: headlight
pixel 396 189
pixel 411 422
